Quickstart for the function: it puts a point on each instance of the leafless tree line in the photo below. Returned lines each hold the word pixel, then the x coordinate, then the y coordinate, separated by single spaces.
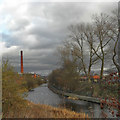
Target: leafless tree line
pixel 93 43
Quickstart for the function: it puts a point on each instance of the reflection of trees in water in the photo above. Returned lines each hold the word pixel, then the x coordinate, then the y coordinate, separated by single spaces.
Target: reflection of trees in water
pixel 83 107
pixel 90 108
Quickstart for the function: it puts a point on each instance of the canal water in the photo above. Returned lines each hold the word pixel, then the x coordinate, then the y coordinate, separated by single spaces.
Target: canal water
pixel 44 95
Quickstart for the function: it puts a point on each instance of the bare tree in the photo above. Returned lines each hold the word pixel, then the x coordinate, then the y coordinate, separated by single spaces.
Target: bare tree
pixel 116 31
pixel 119 53
pixel 82 40
pixel 77 45
pixel 102 31
pixel 89 35
pixel 115 36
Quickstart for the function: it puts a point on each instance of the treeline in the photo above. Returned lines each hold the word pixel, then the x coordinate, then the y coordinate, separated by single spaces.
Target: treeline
pixel 30 81
pixel 88 46
pixel 13 87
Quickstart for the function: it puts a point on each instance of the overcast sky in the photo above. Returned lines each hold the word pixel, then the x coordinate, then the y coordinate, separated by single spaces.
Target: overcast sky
pixel 39 28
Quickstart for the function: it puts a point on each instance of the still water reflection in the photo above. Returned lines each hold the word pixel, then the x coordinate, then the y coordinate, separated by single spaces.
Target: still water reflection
pixel 44 95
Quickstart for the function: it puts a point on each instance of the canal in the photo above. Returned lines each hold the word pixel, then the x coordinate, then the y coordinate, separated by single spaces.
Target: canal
pixel 44 95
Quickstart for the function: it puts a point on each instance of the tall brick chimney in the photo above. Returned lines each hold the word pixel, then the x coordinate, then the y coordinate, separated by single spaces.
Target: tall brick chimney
pixel 21 61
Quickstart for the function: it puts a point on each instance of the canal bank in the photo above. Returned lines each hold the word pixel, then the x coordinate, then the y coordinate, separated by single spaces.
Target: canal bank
pixel 74 96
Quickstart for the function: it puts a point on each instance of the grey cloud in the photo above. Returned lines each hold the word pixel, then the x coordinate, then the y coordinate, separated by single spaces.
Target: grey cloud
pixel 14 26
pixel 43 27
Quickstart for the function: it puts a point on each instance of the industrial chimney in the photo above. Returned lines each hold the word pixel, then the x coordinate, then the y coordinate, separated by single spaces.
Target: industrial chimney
pixel 21 62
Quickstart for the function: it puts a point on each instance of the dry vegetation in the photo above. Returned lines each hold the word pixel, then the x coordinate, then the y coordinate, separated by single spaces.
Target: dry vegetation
pixel 43 111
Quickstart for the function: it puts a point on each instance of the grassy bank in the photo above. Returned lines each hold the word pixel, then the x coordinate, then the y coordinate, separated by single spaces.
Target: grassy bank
pixel 32 110
pixel 97 90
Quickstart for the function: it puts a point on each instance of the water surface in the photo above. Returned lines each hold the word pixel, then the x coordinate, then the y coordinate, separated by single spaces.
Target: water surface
pixel 44 95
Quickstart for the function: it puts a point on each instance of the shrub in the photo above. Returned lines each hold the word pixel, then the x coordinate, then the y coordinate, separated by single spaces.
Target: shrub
pixel 11 89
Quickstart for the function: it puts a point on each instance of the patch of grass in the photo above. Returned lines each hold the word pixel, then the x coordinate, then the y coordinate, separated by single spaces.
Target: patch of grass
pixel 96 91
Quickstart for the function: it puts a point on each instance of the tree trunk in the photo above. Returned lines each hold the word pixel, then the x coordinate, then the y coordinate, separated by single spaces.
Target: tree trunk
pixel 119 57
pixel 102 69
pixel 119 53
pixel 89 69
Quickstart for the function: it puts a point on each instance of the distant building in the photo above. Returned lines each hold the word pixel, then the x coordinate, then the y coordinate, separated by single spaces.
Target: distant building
pixel 96 77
